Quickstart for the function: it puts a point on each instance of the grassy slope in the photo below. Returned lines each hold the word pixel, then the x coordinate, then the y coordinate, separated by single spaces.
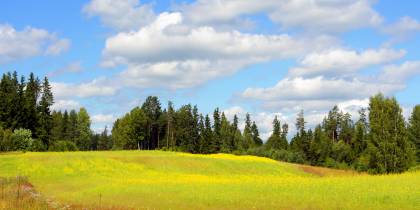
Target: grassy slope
pixel 163 180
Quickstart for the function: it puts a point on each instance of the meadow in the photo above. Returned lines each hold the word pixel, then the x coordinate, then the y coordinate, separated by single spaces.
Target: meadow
pixel 171 180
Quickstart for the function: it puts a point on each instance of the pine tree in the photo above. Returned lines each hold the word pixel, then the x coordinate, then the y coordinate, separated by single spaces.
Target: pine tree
pixel 299 141
pixel 332 123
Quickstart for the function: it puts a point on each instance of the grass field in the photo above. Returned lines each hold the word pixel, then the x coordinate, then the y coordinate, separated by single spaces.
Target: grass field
pixel 169 180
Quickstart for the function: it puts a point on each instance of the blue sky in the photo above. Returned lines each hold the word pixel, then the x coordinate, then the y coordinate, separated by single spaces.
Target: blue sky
pixel 267 58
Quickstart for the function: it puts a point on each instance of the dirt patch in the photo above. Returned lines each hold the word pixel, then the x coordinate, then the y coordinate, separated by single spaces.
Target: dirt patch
pixel 311 170
pixel 321 171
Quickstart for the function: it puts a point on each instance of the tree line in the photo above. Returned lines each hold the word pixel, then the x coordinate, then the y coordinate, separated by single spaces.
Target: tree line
pixel 27 121
pixel 380 141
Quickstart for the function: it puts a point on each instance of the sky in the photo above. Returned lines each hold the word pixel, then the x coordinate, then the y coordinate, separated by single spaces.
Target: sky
pixel 269 58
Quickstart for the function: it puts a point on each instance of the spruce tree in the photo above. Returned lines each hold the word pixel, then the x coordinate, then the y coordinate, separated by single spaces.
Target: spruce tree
pixel 275 140
pixel 45 121
pixel 31 97
pixel 216 143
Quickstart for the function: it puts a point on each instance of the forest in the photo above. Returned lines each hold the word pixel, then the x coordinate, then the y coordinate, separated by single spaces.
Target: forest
pixel 379 141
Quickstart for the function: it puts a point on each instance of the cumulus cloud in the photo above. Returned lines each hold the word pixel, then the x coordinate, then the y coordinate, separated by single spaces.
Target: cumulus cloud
pixel 317 93
pixel 400 73
pixel 29 42
pixel 65 105
pixel 58 47
pixel 103 118
pixel 73 67
pixel 341 61
pixel 97 87
pixel 402 29
pixel 121 14
pixel 158 55
pixel 316 15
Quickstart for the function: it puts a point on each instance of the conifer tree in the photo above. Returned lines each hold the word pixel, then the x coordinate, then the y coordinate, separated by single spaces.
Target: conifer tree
pixel 31 97
pixel 45 121
pixel 275 140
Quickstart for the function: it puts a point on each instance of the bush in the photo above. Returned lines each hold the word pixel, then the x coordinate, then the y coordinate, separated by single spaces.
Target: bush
pixel 296 157
pixel 22 140
pixel 38 146
pixel 6 140
pixel 362 163
pixel 63 146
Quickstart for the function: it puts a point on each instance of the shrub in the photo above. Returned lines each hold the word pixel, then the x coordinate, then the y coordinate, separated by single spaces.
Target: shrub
pixel 6 143
pixel 63 146
pixel 38 146
pixel 22 139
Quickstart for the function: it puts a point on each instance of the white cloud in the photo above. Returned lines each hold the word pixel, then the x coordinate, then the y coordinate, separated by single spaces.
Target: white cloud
pixel 73 67
pixel 319 88
pixel 159 56
pixel 400 73
pixel 403 28
pixel 315 15
pixel 121 14
pixel 341 61
pixel 29 42
pixel 327 15
pixel 103 118
pixel 58 47
pixel 65 105
pixel 97 87
pixel 318 93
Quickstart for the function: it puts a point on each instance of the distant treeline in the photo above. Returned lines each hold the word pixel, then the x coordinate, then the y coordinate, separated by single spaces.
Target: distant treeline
pixel 27 122
pixel 380 141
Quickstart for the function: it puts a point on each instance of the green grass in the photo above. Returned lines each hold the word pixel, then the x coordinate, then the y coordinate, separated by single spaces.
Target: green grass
pixel 169 180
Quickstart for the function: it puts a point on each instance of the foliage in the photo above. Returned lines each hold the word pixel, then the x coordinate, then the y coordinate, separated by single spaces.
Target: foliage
pixel 22 140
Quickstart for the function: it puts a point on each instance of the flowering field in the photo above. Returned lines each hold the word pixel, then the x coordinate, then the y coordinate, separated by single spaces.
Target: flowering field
pixel 169 180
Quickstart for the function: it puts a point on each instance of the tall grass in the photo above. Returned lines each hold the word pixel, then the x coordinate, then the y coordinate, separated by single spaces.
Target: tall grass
pixel 169 180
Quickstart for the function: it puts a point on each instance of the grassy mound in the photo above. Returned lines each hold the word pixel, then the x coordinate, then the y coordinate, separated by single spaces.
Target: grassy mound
pixel 169 180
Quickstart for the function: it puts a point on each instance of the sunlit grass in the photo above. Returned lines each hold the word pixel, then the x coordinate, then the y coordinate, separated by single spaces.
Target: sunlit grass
pixel 169 180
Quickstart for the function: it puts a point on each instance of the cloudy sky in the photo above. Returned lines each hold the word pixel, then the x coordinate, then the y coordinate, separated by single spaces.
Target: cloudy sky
pixel 268 58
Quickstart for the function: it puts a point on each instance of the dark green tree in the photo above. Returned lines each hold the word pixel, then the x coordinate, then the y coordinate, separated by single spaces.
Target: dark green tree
pixel 414 130
pixel 45 121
